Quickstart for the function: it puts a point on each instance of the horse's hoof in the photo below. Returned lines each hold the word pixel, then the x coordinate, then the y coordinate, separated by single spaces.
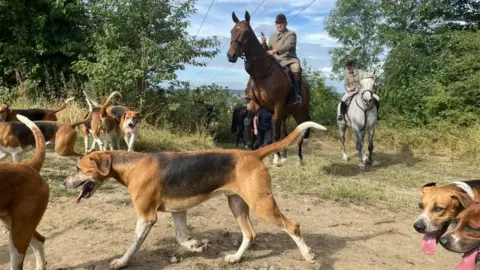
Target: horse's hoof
pixel 275 160
pixel 301 162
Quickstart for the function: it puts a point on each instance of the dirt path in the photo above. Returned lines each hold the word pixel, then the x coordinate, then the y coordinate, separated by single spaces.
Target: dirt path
pixel 90 234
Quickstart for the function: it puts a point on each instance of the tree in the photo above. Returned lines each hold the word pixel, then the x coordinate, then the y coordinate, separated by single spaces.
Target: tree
pixel 356 26
pixel 41 37
pixel 140 43
pixel 323 99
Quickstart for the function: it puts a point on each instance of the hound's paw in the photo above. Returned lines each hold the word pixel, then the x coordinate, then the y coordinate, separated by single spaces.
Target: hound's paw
pixel 195 245
pixel 118 263
pixel 309 256
pixel 231 258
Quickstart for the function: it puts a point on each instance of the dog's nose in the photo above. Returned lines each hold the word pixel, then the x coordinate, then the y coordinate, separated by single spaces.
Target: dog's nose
pixel 130 124
pixel 443 240
pixel 419 226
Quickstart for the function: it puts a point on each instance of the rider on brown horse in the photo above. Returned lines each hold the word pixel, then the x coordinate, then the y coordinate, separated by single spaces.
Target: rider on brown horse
pixel 282 45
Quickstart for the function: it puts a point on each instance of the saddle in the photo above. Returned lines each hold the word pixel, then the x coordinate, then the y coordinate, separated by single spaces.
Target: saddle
pixel 349 99
pixel 287 72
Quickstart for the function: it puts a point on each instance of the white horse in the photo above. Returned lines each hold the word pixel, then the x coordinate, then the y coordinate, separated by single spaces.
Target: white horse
pixel 361 117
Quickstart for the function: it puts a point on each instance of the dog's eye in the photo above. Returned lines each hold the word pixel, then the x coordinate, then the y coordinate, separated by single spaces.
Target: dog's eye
pixel 420 205
pixel 438 209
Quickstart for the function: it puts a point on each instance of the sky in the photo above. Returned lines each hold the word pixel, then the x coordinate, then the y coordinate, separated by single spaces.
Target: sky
pixel 313 42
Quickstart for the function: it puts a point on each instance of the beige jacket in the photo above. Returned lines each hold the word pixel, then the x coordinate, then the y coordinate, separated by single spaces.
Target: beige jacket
pixel 285 43
pixel 352 80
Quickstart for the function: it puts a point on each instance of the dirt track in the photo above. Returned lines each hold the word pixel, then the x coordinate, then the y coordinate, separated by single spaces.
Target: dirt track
pixel 343 236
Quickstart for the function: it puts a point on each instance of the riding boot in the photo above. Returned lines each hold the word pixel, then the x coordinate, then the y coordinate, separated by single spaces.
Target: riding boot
pixel 343 108
pixel 298 88
pixel 377 104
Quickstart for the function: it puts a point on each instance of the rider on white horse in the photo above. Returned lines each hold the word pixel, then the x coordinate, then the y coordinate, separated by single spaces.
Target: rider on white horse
pixel 352 86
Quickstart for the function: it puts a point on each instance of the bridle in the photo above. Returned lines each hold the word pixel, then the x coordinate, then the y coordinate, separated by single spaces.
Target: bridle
pixel 366 107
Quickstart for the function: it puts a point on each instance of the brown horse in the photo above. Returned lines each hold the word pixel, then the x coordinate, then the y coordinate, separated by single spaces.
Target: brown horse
pixel 269 84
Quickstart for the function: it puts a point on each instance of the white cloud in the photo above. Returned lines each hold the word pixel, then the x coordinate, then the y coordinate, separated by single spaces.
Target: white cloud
pixel 313 42
pixel 319 38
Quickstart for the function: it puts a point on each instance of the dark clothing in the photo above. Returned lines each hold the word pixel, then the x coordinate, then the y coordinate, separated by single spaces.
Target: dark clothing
pixel 263 135
pixel 264 128
pixel 264 120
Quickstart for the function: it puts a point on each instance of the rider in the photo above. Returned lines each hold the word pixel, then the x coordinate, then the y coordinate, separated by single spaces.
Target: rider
pixel 352 86
pixel 282 45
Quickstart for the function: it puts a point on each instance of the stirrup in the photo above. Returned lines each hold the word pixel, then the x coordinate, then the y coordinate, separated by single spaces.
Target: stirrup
pixel 297 100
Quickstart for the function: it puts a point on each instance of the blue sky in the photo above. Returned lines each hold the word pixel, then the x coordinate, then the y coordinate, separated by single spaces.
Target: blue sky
pixel 313 41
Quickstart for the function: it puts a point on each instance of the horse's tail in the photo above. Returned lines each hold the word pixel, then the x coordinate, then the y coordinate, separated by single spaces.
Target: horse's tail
pixel 292 138
pixel 233 129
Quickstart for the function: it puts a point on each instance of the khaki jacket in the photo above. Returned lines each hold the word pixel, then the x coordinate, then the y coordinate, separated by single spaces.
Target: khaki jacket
pixel 285 43
pixel 352 80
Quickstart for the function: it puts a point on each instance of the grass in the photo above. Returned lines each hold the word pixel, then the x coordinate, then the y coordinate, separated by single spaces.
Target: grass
pixel 404 160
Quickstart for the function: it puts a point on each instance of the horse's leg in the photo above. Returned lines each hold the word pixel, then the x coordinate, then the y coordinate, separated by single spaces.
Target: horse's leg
pixel 277 120
pixel 301 118
pixel 284 134
pixel 342 129
pixel 359 137
pixel 371 134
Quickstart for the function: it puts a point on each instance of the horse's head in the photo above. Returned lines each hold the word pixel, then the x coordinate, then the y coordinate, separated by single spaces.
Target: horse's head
pixel 240 35
pixel 367 82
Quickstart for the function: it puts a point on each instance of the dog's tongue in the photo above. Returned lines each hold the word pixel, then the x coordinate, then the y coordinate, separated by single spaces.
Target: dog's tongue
pixel 429 243
pixel 468 261
pixel 131 130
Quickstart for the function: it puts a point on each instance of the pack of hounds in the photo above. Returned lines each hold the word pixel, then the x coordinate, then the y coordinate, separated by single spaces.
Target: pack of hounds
pixel 176 181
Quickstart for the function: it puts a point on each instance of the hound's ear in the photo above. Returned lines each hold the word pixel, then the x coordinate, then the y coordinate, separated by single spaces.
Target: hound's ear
pixel 234 18
pixel 463 198
pixel 247 17
pixel 103 163
pixel 428 185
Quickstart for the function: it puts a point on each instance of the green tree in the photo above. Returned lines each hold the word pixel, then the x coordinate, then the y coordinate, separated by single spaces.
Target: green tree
pixel 139 44
pixel 39 38
pixel 323 99
pixel 355 24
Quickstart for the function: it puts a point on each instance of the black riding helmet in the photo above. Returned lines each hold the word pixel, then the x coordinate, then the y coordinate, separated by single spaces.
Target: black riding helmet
pixel 281 18
pixel 351 62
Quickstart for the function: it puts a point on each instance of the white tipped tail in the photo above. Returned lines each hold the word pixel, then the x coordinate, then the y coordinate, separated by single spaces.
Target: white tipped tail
pixel 296 135
pixel 39 156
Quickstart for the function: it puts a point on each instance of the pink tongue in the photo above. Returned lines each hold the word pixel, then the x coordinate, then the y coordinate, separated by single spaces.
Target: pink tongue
pixel 429 243
pixel 131 130
pixel 468 261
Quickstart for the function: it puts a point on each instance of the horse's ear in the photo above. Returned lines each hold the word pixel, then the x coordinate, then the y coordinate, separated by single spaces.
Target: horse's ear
pixel 234 18
pixel 247 17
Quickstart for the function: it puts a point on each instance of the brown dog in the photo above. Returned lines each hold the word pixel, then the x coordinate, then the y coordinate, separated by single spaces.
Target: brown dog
pixel 465 236
pixel 95 126
pixel 8 115
pixel 121 121
pixel 439 206
pixel 16 138
pixel 176 181
pixel 23 200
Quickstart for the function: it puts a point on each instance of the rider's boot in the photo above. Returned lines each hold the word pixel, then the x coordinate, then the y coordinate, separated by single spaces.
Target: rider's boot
pixel 343 108
pixel 297 76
